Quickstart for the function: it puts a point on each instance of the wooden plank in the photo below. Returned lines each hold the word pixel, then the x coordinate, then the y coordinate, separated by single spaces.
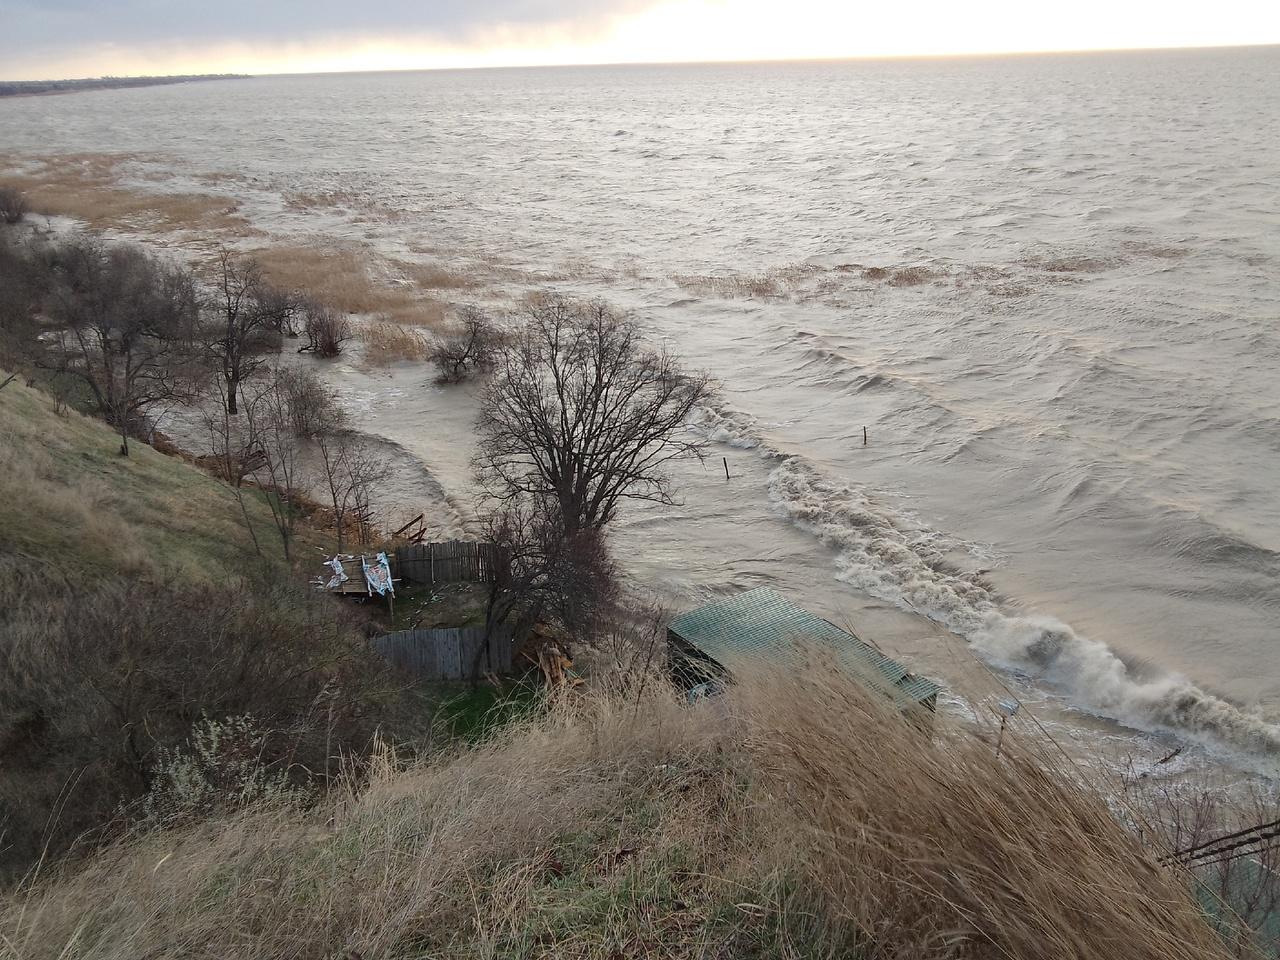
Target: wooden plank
pixel 448 655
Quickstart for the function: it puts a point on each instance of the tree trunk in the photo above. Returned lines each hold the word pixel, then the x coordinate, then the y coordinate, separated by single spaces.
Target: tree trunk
pixel 232 407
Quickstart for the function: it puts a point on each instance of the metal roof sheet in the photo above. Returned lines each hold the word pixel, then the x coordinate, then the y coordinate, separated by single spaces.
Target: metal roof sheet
pixel 761 623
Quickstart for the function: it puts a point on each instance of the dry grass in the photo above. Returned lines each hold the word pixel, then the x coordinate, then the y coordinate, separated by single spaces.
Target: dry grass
pixel 777 282
pixel 910 276
pixel 432 276
pixel 392 343
pixel 795 818
pixel 942 848
pixel 347 278
pixel 86 187
pixel 732 287
pixel 69 498
pixel 345 200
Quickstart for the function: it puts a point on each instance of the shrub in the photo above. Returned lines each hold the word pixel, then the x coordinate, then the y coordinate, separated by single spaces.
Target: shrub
pixel 221 766
pixel 468 348
pixel 326 330
pixel 13 205
pixel 101 684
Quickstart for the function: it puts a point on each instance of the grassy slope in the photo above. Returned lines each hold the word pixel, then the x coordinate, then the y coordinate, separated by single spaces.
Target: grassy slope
pixel 67 497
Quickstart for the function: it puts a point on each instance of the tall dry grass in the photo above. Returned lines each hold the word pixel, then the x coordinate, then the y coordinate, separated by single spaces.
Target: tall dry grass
pixel 386 343
pixel 934 845
pixel 353 279
pixel 793 818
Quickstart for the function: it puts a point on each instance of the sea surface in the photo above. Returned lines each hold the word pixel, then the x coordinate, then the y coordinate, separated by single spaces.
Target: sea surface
pixel 1047 286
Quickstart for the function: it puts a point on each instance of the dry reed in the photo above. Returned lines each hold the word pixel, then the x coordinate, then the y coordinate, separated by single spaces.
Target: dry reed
pixel 346 278
pixel 386 342
pixel 86 187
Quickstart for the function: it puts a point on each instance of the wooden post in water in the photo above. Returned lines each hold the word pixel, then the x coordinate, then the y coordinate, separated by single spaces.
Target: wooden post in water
pixel 864 436
pixel 726 467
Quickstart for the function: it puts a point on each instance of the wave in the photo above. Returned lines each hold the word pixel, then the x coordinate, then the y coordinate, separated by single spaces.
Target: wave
pixel 896 559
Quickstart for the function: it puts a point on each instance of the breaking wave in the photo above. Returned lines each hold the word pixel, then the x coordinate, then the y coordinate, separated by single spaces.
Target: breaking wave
pixel 896 559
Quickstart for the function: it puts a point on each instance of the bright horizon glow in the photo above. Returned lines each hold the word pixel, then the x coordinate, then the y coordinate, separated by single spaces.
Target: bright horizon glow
pixel 683 31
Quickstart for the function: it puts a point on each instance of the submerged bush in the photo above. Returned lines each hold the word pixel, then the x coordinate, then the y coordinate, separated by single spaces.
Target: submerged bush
pixel 13 205
pixel 467 348
pixel 326 330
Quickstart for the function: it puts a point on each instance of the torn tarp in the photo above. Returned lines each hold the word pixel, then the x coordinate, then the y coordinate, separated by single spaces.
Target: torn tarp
pixel 377 574
pixel 339 574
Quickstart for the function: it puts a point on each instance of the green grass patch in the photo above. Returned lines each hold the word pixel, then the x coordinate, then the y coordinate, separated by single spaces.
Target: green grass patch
pixel 475 714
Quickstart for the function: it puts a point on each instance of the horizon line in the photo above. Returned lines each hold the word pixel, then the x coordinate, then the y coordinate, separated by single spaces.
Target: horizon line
pixel 964 55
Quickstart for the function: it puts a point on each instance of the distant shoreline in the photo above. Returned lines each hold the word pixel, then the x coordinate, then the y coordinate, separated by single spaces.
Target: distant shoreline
pixel 44 88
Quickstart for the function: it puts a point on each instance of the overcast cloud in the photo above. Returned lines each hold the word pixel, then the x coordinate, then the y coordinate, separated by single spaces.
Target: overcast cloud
pixel 63 25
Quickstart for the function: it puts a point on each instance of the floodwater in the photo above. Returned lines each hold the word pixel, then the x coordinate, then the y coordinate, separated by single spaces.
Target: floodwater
pixel 1047 287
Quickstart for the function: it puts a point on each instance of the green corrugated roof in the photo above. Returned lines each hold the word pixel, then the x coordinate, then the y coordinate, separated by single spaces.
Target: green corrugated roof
pixel 760 623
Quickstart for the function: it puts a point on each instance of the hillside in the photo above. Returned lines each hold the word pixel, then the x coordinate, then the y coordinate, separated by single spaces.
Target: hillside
pixel 69 499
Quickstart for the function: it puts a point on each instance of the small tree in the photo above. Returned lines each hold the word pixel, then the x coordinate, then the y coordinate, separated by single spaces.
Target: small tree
pixel 235 451
pixel 351 473
pixel 470 347
pixel 124 322
pixel 326 330
pixel 543 570
pixel 580 411
pixel 284 411
pixel 245 320
pixel 13 205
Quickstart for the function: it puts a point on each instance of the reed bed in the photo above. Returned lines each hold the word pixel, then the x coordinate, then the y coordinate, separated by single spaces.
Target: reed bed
pixel 352 279
pixel 86 187
pixel 388 342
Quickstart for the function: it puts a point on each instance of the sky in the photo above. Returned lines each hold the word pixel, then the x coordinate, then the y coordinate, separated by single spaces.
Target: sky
pixel 47 39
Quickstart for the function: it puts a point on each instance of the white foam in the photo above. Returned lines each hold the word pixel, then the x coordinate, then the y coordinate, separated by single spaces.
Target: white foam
pixel 894 558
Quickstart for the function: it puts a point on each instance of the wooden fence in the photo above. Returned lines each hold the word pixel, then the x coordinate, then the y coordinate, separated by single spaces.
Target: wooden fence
pixel 450 562
pixel 448 654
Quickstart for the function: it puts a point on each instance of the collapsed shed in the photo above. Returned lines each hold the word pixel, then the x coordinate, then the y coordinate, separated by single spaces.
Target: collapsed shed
pixel 707 643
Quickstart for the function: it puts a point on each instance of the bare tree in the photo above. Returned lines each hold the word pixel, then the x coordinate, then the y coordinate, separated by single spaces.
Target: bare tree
pixel 23 283
pixel 124 322
pixel 581 411
pixel 326 330
pixel 235 452
pixel 245 322
pixel 471 347
pixel 283 411
pixel 544 571
pixel 351 472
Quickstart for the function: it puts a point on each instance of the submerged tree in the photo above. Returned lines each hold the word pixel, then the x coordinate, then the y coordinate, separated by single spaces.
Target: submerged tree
pixel 247 317
pixel 326 329
pixel 286 409
pixel 124 321
pixel 470 347
pixel 351 473
pixel 580 411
